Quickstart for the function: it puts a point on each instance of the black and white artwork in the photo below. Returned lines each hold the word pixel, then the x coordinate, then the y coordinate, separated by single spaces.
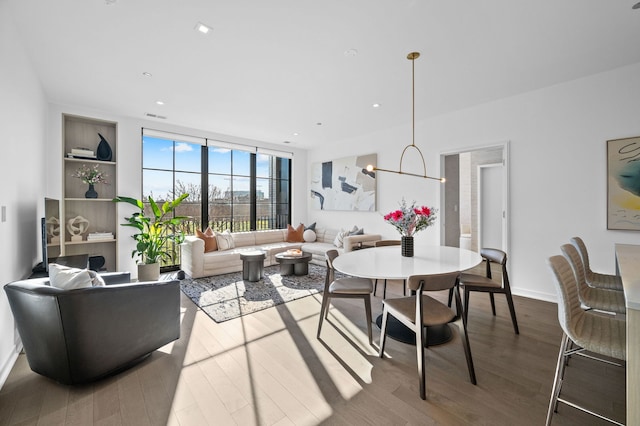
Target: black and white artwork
pixel 344 184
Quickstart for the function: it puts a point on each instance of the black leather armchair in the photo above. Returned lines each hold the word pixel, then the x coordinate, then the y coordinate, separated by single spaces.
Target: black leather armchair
pixel 77 336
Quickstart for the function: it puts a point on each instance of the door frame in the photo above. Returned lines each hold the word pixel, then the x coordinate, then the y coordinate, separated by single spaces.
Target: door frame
pixel 505 145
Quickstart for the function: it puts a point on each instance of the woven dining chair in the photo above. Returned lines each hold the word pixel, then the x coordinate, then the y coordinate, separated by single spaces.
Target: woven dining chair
pixel 420 311
pixel 595 279
pixel 345 288
pixel 582 331
pixel 591 297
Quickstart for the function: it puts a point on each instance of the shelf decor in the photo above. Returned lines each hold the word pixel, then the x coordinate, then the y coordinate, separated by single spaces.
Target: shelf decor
pixel 90 176
pixel 408 220
pixel 104 152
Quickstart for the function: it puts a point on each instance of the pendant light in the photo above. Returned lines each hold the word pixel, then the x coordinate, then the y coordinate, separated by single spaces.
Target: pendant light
pixel 412 57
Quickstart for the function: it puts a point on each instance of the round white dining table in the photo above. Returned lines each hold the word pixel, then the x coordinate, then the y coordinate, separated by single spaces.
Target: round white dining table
pixel 388 263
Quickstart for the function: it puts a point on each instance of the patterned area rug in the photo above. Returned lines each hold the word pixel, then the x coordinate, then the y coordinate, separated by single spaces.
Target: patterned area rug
pixel 224 297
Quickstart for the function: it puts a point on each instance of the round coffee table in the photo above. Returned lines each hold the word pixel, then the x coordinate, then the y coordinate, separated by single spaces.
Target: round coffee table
pixel 293 265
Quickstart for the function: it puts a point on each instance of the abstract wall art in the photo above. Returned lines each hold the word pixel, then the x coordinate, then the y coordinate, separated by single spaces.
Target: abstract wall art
pixel 344 184
pixel 623 187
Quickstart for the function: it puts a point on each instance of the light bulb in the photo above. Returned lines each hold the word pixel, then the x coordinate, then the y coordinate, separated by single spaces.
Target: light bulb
pixel 370 167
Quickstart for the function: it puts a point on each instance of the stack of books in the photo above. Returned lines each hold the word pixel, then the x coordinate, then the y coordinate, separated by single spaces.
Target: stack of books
pixel 94 236
pixel 82 153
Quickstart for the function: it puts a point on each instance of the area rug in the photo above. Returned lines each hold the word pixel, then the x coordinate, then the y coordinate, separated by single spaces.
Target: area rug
pixel 228 296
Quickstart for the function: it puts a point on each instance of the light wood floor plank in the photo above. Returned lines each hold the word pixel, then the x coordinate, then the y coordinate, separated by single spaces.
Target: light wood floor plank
pixel 268 368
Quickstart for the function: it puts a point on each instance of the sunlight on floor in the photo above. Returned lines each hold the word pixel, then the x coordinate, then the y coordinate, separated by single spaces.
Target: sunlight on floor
pixel 257 367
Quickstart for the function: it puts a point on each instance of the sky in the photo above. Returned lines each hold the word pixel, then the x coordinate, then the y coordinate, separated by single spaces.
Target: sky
pixel 158 153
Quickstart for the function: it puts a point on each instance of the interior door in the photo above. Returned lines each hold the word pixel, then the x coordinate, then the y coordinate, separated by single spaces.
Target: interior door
pixel 491 209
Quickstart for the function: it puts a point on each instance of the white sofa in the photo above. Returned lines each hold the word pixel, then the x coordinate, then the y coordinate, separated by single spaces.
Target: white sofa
pixel 197 263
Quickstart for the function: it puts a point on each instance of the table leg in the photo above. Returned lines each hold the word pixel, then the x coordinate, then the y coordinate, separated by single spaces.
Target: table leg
pixel 301 268
pixel 286 269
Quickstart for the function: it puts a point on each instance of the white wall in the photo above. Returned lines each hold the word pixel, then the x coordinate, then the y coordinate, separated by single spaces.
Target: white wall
pixel 129 156
pixel 22 172
pixel 557 169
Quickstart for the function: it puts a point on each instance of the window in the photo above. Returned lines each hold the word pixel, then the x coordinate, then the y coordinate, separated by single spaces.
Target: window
pixel 230 186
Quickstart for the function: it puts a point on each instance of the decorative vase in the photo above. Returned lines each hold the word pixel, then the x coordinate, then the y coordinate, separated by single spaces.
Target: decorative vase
pixel 407 246
pixel 91 193
pixel 104 152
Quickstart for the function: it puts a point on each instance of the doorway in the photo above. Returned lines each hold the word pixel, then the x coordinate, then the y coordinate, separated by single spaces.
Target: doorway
pixel 475 198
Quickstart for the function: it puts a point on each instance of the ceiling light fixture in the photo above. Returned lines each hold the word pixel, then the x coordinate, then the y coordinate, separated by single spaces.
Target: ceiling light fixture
pixel 376 105
pixel 204 29
pixel 159 103
pixel 412 57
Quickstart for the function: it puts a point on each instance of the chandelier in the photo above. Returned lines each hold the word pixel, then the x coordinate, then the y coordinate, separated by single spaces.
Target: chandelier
pixel 412 57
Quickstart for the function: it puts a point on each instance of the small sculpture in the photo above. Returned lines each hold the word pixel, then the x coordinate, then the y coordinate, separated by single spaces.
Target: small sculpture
pixel 104 152
pixel 53 230
pixel 76 227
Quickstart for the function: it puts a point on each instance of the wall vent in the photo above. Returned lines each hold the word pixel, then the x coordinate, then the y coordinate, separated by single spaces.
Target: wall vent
pixel 149 114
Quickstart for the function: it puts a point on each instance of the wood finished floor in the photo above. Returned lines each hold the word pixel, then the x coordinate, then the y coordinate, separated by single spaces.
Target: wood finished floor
pixel 268 368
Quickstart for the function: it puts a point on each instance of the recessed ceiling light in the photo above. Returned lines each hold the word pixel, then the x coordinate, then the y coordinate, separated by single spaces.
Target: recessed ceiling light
pixel 159 102
pixel 296 134
pixel 376 105
pixel 350 53
pixel 204 29
pixel 147 74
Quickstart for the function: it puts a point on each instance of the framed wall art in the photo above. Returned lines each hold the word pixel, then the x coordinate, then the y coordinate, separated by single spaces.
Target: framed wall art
pixel 344 184
pixel 623 186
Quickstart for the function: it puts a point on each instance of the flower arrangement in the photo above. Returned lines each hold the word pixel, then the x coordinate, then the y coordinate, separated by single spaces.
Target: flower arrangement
pixel 408 220
pixel 90 175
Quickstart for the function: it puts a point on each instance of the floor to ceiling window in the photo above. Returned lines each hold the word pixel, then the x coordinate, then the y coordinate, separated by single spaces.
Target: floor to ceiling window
pixel 234 187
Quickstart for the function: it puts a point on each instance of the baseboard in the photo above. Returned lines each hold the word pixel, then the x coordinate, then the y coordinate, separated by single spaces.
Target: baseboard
pixel 8 364
pixel 547 297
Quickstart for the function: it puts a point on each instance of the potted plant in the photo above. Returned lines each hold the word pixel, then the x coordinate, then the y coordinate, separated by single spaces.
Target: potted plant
pixel 154 234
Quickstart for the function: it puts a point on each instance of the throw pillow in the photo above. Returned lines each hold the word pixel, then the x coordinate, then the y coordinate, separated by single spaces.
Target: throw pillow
pixel 295 235
pixel 309 236
pixel 225 240
pixel 339 241
pixel 209 238
pixel 311 227
pixel 356 231
pixel 68 278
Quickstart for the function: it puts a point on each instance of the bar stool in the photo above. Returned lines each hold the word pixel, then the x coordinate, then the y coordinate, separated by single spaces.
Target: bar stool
pixel 595 279
pixel 591 297
pixel 582 331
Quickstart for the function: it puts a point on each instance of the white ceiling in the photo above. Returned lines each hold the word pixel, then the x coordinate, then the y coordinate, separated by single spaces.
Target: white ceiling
pixel 272 68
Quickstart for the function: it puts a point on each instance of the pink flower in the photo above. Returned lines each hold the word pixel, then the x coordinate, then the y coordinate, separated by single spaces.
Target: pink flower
pixel 397 215
pixel 409 220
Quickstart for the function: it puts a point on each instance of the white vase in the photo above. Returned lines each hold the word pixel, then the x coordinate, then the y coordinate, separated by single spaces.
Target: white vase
pixel 149 272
